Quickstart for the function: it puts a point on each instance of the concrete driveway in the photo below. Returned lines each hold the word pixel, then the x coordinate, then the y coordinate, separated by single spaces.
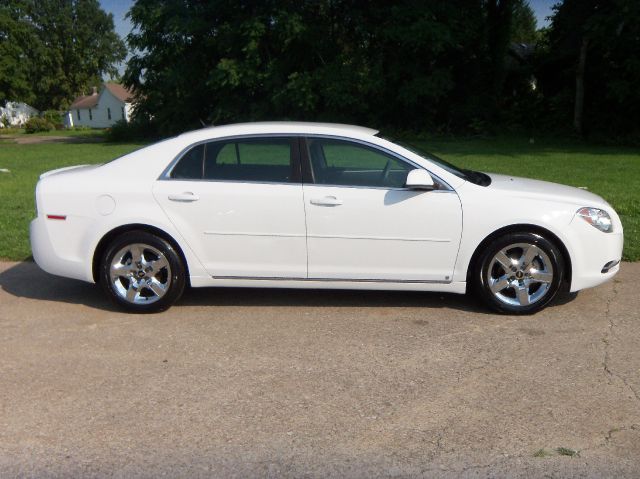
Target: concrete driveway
pixel 273 383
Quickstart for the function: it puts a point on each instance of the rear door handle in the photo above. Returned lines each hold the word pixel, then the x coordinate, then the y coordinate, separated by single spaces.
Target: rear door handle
pixel 326 201
pixel 186 197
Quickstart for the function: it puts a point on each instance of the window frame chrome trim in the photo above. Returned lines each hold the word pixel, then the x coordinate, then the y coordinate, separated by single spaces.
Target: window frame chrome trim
pixel 166 173
pixel 399 157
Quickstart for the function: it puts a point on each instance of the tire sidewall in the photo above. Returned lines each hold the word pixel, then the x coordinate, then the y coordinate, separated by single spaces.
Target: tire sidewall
pixel 481 272
pixel 178 275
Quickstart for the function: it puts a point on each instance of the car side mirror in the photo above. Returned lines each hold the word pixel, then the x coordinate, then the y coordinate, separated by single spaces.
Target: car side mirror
pixel 420 180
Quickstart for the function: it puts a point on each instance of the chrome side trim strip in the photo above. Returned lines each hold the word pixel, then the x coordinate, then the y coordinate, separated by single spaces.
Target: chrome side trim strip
pixel 381 238
pixel 334 280
pixel 347 237
pixel 285 235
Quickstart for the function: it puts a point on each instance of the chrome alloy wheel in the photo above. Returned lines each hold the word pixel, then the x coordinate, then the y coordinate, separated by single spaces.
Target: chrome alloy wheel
pixel 140 274
pixel 520 274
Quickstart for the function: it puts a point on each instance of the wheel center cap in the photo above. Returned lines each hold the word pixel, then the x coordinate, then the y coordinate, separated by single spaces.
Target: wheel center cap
pixel 140 274
pixel 519 275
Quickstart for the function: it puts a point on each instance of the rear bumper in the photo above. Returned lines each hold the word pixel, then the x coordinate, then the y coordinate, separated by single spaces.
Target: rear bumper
pixel 49 257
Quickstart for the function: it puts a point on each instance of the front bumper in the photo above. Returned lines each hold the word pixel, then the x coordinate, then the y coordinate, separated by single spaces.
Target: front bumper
pixel 593 253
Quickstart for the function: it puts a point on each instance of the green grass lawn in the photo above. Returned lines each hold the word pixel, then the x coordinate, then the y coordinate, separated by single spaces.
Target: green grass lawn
pixel 25 163
pixel 612 172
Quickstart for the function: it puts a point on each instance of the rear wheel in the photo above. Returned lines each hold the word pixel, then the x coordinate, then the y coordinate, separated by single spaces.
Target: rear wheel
pixel 519 273
pixel 142 273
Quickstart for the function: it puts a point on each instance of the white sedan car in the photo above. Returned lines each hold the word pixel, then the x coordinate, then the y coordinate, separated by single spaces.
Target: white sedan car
pixel 308 205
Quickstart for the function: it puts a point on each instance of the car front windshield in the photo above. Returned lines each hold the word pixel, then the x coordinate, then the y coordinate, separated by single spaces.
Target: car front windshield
pixel 469 175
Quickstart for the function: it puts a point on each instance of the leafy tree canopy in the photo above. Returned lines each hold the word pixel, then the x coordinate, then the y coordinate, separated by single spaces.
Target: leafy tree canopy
pixel 340 60
pixel 52 50
pixel 607 33
pixel 524 25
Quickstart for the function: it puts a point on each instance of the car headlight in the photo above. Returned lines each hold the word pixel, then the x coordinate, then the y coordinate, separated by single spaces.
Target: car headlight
pixel 597 218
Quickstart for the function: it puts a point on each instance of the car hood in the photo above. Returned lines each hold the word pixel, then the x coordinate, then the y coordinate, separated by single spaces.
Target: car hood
pixel 544 190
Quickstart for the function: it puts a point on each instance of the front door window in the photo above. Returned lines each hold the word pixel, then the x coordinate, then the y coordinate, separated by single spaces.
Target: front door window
pixel 344 163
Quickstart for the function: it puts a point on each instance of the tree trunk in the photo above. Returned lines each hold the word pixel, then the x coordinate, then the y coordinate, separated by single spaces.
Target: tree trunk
pixel 579 105
pixel 499 20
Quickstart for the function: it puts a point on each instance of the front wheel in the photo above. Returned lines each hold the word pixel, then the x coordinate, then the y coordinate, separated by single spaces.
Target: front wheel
pixel 142 273
pixel 519 273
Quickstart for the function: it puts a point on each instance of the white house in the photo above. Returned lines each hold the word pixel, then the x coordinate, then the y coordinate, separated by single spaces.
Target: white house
pixel 16 113
pixel 100 110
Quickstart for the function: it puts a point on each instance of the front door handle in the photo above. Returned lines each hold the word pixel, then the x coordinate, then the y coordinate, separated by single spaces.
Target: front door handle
pixel 186 197
pixel 326 201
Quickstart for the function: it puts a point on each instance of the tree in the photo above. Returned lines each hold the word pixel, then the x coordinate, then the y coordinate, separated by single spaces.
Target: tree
pixel 524 24
pixel 428 65
pixel 18 43
pixel 591 66
pixel 55 49
pixel 340 60
pixel 507 21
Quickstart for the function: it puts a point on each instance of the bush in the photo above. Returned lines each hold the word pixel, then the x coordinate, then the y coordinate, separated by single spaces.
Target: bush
pixel 54 117
pixel 130 131
pixel 12 130
pixel 36 124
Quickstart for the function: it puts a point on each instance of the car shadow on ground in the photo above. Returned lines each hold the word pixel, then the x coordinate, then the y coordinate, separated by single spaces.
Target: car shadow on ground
pixel 27 280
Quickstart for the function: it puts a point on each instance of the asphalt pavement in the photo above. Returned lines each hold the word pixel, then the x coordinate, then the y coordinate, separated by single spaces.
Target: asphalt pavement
pixel 293 383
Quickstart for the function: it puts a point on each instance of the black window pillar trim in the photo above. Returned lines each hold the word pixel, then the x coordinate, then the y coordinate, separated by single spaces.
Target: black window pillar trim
pixel 305 161
pixel 296 152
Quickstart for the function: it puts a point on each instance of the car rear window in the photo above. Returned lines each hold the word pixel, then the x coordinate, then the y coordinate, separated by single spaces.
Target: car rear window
pixel 253 159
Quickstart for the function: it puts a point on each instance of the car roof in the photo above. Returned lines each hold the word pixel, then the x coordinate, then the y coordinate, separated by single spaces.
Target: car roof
pixel 278 127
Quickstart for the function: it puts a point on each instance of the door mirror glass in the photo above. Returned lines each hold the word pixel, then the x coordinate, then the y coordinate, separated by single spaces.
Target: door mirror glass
pixel 420 180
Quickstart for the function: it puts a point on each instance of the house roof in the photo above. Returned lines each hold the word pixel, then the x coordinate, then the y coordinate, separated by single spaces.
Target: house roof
pixel 16 105
pixel 119 91
pixel 90 101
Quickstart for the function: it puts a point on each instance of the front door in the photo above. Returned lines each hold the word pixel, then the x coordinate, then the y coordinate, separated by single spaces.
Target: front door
pixel 362 224
pixel 239 204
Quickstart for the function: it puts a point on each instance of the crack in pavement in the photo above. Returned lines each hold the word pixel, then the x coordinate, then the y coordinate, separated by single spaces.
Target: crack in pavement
pixel 609 436
pixel 615 430
pixel 607 341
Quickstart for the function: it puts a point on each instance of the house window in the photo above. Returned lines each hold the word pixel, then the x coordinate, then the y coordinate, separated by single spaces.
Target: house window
pixel 90 115
pixel 109 113
pixel 78 112
pixel 123 113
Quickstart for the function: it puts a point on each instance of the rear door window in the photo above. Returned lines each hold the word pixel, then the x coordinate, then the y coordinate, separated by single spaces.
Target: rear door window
pixel 248 159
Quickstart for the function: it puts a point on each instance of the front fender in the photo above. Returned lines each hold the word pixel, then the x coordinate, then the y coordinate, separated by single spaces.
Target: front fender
pixel 483 218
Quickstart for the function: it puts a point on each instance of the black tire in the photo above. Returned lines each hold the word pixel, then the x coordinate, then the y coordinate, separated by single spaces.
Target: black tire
pixel 152 247
pixel 488 269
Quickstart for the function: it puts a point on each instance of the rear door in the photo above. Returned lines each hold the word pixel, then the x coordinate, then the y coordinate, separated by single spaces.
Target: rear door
pixel 239 204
